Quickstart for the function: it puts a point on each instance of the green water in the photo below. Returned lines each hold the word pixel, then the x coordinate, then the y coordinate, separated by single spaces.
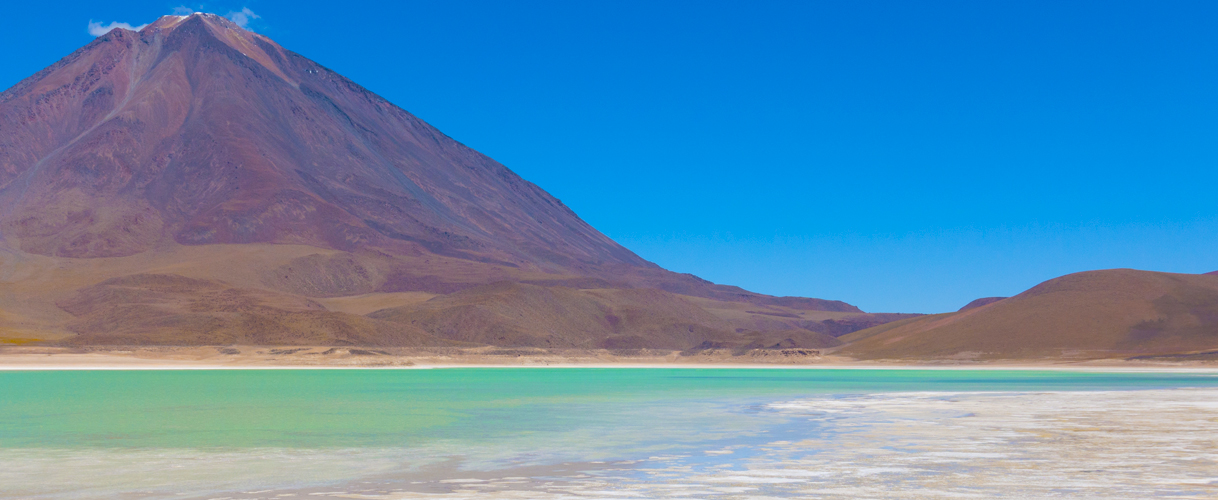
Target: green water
pixel 263 434
pixel 402 408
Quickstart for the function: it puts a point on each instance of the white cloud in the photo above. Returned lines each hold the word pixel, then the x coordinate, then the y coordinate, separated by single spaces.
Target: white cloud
pixel 243 17
pixel 99 29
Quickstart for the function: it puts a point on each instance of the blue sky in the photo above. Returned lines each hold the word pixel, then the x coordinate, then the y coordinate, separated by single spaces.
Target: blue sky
pixel 901 156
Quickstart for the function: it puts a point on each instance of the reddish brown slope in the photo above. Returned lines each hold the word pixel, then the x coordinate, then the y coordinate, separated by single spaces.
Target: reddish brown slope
pixel 984 301
pixel 194 182
pixel 170 309
pixel 1097 314
pixel 194 131
pixel 518 314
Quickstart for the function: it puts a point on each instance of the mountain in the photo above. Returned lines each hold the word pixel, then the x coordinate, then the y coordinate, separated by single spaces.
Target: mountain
pixel 198 132
pixel 194 182
pixel 1119 313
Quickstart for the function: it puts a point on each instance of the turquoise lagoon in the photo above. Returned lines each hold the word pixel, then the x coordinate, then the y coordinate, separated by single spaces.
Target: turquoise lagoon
pixel 607 433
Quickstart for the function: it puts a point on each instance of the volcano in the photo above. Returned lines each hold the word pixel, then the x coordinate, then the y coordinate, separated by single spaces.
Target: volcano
pixel 197 131
pixel 194 182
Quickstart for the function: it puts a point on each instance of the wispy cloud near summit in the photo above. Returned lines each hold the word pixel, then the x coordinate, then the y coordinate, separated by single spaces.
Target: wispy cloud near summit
pixel 99 29
pixel 242 17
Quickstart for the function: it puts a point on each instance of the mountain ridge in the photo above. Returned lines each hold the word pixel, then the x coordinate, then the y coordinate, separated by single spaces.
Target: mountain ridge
pixel 200 175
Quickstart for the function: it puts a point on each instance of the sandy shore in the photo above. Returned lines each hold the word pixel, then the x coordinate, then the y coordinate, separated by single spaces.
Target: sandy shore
pixel 326 357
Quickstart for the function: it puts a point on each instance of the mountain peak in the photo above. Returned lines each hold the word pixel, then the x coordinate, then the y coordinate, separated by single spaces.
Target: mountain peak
pixel 170 22
pixel 257 47
pixel 166 22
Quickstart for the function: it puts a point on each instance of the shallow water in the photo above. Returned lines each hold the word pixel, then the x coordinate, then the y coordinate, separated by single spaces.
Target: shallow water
pixel 608 433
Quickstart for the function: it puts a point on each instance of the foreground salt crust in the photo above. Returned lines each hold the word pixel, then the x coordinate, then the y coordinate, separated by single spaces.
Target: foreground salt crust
pixel 1118 444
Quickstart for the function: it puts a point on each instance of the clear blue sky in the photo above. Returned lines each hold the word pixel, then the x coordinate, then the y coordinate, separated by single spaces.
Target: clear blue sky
pixel 901 156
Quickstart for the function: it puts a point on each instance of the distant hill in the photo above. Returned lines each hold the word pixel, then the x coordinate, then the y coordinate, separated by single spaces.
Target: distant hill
pixel 981 302
pixel 1118 313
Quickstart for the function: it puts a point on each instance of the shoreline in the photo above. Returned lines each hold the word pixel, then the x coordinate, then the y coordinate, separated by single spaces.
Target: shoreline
pixel 723 366
pixel 28 358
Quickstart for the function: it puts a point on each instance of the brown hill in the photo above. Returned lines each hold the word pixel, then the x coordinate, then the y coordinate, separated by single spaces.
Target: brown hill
pixel 981 302
pixel 194 182
pixel 1098 314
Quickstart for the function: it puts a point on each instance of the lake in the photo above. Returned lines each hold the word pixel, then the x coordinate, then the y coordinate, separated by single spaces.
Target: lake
pixel 607 433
